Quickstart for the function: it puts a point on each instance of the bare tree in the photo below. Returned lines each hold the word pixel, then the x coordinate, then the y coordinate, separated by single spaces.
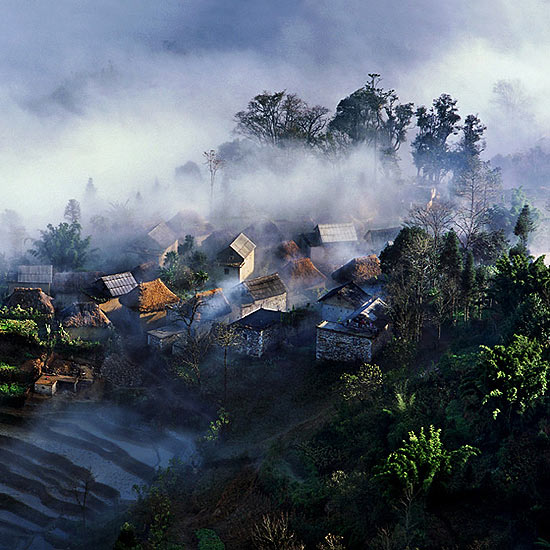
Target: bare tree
pixel 476 188
pixel 435 218
pixel 214 163
pixel 274 533
pixel 81 492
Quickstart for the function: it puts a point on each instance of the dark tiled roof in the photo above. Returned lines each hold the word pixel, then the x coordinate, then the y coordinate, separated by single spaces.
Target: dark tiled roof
pixel 260 319
pixel 40 274
pixel 162 235
pixel 348 293
pixel 69 282
pixel 265 287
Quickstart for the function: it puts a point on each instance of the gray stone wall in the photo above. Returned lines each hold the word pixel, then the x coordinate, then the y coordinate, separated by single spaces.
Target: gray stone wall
pixel 340 346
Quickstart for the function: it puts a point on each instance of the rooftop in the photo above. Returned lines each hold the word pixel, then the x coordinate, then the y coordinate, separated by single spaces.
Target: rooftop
pixel 348 294
pixel 336 232
pixel 40 274
pixel 84 315
pixel 119 283
pixel 242 245
pixel 261 288
pixel 31 298
pixel 358 270
pixel 162 235
pixel 149 297
pixel 302 274
pixel 259 319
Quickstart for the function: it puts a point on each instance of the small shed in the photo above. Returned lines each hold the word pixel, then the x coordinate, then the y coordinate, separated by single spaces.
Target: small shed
pixel 32 276
pixel 268 292
pixel 34 299
pixel 342 301
pixel 145 305
pixel 46 385
pixel 237 258
pixel 258 332
pixel 86 320
pixel 164 337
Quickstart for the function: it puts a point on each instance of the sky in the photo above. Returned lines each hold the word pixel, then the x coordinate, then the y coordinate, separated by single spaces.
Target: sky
pixel 126 90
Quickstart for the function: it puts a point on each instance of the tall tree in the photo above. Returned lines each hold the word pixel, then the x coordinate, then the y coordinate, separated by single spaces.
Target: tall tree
pixel 476 187
pixel 468 281
pixel 63 246
pixel 213 163
pixel 374 116
pixel 435 218
pixel 430 149
pixel 280 119
pixel 524 226
pixel 72 211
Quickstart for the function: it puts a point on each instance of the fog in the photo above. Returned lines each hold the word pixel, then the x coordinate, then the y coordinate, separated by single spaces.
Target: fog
pixel 125 92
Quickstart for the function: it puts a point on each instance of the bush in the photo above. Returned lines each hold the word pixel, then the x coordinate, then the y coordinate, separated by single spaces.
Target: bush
pixel 208 540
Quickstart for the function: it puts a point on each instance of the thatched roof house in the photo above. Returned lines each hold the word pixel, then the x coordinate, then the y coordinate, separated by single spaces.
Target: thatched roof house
pixel 302 274
pixel 358 270
pixel 149 297
pixel 80 315
pixel 288 250
pixel 34 299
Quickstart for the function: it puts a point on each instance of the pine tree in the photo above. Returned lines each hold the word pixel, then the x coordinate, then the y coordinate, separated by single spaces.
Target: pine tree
pixel 524 226
pixel 72 211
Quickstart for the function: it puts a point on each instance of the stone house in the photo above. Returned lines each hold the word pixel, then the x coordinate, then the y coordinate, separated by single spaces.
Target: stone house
pixel 144 307
pixel 87 321
pixel 267 292
pixel 156 244
pixel 237 259
pixel 32 276
pixel 46 385
pixel 258 332
pixel 164 337
pixel 340 302
pixel 357 338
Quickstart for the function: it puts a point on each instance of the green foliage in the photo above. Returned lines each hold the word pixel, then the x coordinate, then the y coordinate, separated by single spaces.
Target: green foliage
pixel 217 426
pixel 362 384
pixel 127 539
pixel 63 246
pixel 209 540
pixel 20 313
pixel 525 225
pixel 513 377
pixel 421 460
pixel 28 329
pixel 12 390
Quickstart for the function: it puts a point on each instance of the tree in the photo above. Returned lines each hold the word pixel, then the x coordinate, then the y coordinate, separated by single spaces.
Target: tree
pixel 226 337
pixel 475 187
pixel 72 211
pixel 374 116
pixel 90 193
pixel 363 384
pixel 274 533
pixel 471 144
pixel 468 281
pixel 213 163
pixel 434 218
pixel 279 119
pixel 63 246
pixel 512 378
pixel 524 226
pixel 430 148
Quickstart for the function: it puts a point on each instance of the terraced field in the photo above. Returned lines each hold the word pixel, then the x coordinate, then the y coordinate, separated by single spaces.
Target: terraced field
pixel 53 456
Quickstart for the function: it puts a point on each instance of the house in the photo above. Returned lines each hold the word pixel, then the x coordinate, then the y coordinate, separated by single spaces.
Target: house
pixel 157 243
pixel 287 251
pixel 189 222
pixel 146 271
pixel 267 292
pixel 31 299
pixel 69 287
pixel 329 241
pixel 237 259
pixel 358 270
pixel 87 321
pixel 340 302
pixel 164 337
pixel 32 276
pixel 357 338
pixel 377 239
pixel 108 290
pixel 265 234
pixel 258 332
pixel 303 280
pixel 144 307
